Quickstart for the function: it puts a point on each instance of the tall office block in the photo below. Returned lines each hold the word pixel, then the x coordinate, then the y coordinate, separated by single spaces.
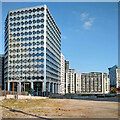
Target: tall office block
pixel 66 75
pixel 1 71
pixel 32 50
pixel 71 81
pixel 114 75
pixel 92 83
pixel 62 83
pixel 77 77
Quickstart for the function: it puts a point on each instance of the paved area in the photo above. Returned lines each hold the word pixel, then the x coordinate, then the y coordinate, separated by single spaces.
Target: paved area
pixel 59 108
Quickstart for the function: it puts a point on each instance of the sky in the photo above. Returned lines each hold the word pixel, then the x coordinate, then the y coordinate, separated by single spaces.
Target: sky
pixel 89 32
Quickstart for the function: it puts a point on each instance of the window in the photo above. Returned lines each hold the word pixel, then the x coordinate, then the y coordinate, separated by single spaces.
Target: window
pixel 38 43
pixel 34 43
pixel 34 10
pixel 26 22
pixel 22 33
pixel 14 29
pixel 38 15
pixel 14 18
pixel 22 39
pixel 41 71
pixel 42 9
pixel 42 31
pixel 38 37
pixel 42 26
pixel 34 16
pixel 26 28
pixel 42 65
pixel 38 21
pixel 34 27
pixel 42 20
pixel 30 22
pixel 11 19
pixel 34 32
pixel 42 42
pixel 30 27
pixel 18 29
pixel 38 26
pixel 30 33
pixel 18 18
pixel 38 9
pixel 26 11
pixel 26 39
pixel 10 14
pixel 14 13
pixel 30 11
pixel 14 35
pixel 22 23
pixel 22 12
pixel 30 16
pixel 18 39
pixel 42 14
pixel 42 37
pixel 14 24
pixel 34 38
pixel 18 23
pixel 42 54
pixel 38 49
pixel 34 21
pixel 30 44
pixel 18 34
pixel 26 33
pixel 42 48
pixel 30 38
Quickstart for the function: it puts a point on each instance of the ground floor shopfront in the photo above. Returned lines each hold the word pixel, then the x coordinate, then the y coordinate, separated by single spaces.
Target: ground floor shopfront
pixel 36 88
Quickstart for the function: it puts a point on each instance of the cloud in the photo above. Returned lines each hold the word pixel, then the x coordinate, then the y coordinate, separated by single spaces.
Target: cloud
pixel 87 24
pixel 64 37
pixel 83 16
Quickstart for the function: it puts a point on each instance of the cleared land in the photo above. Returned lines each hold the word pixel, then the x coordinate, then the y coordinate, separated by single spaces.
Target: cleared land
pixel 58 108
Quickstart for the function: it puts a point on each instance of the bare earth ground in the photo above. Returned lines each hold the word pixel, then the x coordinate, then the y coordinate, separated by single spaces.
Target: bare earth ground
pixel 58 108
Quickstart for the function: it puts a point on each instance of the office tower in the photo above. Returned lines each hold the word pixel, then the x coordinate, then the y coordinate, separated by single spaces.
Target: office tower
pixel 62 83
pixel 93 83
pixel 33 51
pixel 114 75
pixel 66 75
pixel 1 71
pixel 77 82
pixel 71 81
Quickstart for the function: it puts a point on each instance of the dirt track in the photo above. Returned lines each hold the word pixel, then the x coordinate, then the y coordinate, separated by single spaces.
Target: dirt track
pixel 59 108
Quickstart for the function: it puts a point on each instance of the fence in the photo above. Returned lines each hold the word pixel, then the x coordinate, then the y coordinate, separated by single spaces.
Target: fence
pixel 4 93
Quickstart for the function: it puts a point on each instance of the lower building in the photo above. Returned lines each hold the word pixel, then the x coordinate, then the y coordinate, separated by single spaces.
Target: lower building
pixel 1 71
pixel 92 83
pixel 71 81
pixel 62 82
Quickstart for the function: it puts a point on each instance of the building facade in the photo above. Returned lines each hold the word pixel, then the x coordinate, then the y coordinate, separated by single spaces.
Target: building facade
pixel 92 83
pixel 71 81
pixel 77 82
pixel 32 51
pixel 114 75
pixel 1 71
pixel 66 75
pixel 62 82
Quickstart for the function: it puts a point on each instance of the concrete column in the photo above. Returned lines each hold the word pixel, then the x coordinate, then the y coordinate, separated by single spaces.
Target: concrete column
pixel 55 88
pixel 52 87
pixel 12 86
pixel 8 86
pixel 49 87
pixel 32 86
pixel 19 87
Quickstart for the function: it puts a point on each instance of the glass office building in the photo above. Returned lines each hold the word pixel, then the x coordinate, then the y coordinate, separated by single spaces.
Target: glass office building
pixel 32 51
